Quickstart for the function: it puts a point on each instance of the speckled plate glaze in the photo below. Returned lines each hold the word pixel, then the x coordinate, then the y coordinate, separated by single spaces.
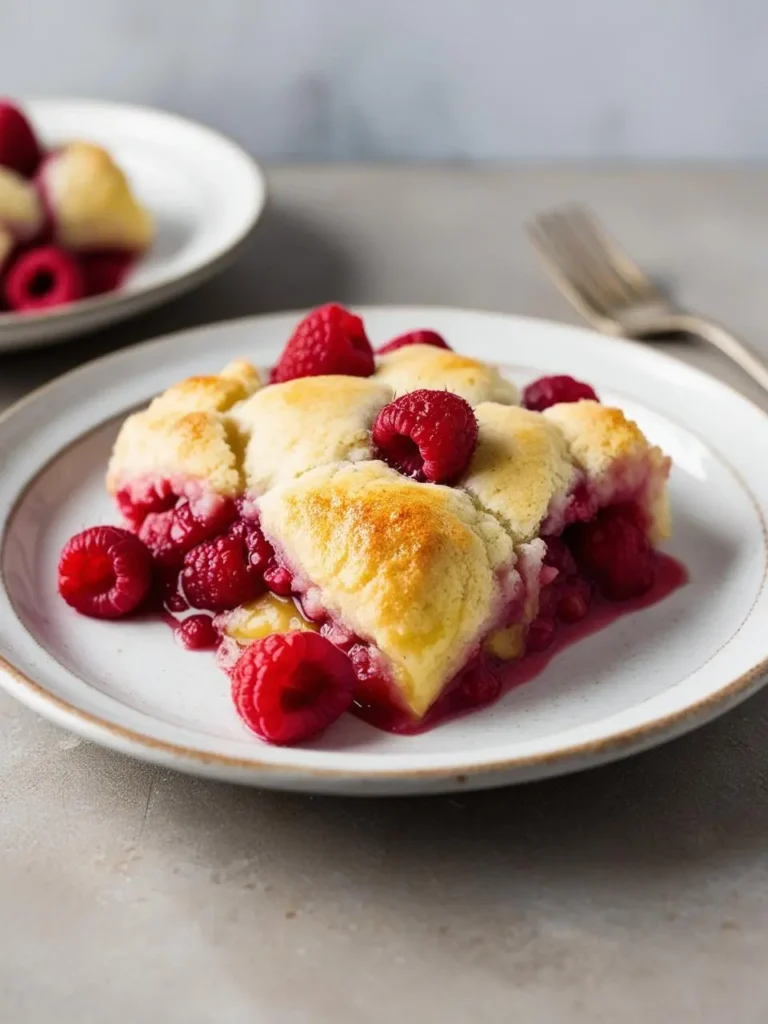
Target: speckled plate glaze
pixel 204 192
pixel 649 677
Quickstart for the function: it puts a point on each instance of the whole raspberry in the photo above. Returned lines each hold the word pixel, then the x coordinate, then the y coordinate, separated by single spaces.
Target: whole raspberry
pixel 19 148
pixel 413 338
pixel 547 391
pixel 104 572
pixel 328 340
pixel 171 534
pixel 428 435
pixel 613 550
pixel 42 278
pixel 137 501
pixel 198 633
pixel 217 574
pixel 289 686
pixel 104 271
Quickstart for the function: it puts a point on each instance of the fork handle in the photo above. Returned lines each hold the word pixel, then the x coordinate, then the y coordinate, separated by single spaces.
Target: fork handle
pixel 713 333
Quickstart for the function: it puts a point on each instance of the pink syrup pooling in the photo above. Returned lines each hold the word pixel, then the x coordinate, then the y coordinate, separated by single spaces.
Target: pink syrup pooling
pixel 670 576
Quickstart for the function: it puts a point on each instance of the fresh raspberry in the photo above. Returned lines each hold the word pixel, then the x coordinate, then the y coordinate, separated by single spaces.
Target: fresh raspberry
pixel 42 278
pixel 413 338
pixel 217 574
pixel 104 271
pixel 104 572
pixel 429 435
pixel 547 391
pixel 198 633
pixel 19 148
pixel 137 501
pixel 171 534
pixel 288 687
pixel 330 339
pixel 613 550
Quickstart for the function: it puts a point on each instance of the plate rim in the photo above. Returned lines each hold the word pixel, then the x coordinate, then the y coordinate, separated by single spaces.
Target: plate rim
pixel 153 292
pixel 253 770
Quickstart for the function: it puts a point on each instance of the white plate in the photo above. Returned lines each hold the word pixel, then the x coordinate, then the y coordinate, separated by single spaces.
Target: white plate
pixel 652 675
pixel 204 192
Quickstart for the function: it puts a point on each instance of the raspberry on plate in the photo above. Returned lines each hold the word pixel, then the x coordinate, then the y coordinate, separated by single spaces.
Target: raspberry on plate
pixel 329 340
pixel 413 338
pixel 43 278
pixel 19 148
pixel 217 574
pixel 198 633
pixel 104 572
pixel 547 391
pixel 613 549
pixel 288 687
pixel 427 435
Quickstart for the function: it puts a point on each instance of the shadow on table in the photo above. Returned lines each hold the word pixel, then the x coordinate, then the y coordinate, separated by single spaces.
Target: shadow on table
pixel 286 264
pixel 650 826
pixel 696 799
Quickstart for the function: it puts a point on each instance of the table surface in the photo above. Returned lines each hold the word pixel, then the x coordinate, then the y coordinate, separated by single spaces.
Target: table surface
pixel 634 892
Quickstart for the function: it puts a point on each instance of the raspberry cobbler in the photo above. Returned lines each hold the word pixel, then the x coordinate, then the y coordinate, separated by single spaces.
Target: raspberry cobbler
pixel 383 532
pixel 70 226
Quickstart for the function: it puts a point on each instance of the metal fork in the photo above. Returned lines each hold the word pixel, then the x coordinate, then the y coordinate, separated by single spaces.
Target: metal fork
pixel 614 294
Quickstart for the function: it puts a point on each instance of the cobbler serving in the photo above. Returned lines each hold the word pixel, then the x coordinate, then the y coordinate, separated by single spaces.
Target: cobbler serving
pixel 398 533
pixel 70 225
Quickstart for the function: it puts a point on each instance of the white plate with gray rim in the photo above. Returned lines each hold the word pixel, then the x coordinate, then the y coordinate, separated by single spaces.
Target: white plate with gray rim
pixel 651 676
pixel 205 194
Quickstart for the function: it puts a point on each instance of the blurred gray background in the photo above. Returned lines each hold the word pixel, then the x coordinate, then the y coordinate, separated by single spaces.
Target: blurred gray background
pixel 417 79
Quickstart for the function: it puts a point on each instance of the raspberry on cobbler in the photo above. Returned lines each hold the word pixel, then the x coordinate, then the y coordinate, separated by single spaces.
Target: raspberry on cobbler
pixel 413 338
pixel 547 391
pixel 288 687
pixel 427 435
pixel 329 340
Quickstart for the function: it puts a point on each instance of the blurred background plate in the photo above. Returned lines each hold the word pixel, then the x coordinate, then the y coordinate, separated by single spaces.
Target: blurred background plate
pixel 205 193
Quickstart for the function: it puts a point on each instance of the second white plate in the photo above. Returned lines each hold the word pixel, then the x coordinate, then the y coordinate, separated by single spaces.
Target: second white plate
pixel 650 676
pixel 205 193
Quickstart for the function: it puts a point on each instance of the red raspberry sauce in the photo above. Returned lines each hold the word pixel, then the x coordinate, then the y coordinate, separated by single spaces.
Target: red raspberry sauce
pixel 670 576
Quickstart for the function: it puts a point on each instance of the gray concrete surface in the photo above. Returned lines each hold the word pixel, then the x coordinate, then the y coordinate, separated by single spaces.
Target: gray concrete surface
pixel 637 892
pixel 437 79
